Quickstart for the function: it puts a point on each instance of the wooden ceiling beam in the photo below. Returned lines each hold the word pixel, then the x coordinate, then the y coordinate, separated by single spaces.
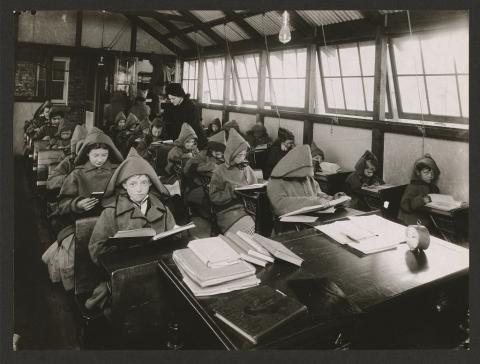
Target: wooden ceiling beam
pixel 173 28
pixel 242 24
pixel 155 34
pixel 205 27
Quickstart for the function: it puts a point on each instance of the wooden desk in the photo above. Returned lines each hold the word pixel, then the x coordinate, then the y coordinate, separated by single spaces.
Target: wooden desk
pixel 376 199
pixel 452 224
pixel 332 183
pixel 395 279
pixel 258 158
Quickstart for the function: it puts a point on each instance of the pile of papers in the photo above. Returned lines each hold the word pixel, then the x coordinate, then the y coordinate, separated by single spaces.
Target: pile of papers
pixel 367 234
pixel 443 202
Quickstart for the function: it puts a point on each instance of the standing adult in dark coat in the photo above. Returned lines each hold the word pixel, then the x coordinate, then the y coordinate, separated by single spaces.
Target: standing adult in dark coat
pixel 183 111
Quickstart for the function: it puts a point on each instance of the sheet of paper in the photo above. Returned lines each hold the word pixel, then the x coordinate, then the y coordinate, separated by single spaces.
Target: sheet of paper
pixel 174 189
pixel 299 218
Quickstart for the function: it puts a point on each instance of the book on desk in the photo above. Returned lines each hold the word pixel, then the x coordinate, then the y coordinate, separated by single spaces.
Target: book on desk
pixel 443 202
pixel 136 237
pixel 307 209
pixel 254 186
pixel 258 311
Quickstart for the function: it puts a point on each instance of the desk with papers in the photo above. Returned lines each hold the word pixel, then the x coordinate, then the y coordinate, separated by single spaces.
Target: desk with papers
pixel 393 285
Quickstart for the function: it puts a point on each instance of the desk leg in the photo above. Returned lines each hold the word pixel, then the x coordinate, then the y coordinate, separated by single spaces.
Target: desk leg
pixel 438 228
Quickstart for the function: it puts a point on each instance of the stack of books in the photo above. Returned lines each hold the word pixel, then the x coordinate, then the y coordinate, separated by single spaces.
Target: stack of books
pixel 210 266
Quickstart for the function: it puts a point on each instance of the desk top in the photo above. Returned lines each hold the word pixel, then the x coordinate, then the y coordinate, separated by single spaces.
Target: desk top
pixel 367 280
pixel 383 190
pixel 451 213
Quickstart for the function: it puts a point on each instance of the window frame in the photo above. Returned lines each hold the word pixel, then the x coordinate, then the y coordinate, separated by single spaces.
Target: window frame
pixel 64 99
pixel 194 80
pixel 345 111
pixel 237 79
pixel 269 105
pixel 206 74
pixel 426 116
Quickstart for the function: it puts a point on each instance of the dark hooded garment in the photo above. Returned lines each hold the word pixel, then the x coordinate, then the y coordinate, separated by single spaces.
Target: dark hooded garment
pixel 275 153
pixel 258 135
pixel 186 112
pixel 357 179
pixel 86 178
pixel 412 199
pixel 121 213
pixel 178 155
pixel 216 122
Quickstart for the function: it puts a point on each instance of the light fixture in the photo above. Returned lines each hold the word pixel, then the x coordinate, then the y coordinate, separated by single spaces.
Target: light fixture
pixel 100 62
pixel 285 35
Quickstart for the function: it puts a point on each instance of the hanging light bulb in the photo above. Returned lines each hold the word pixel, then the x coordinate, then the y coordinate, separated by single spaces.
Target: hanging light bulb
pixel 285 35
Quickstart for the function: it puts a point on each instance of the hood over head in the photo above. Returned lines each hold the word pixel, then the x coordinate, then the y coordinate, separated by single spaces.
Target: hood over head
pixel 317 151
pixel 217 141
pixel 95 136
pixel 79 133
pixel 235 145
pixel 133 165
pixel 186 133
pixel 425 161
pixel 361 163
pixel 296 163
pixel 285 134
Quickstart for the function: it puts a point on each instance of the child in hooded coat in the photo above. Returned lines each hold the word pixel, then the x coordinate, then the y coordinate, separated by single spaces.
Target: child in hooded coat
pixel 214 127
pixel 126 138
pixel 50 127
pixel 198 170
pixel 424 180
pixel 91 174
pixel 185 148
pixel 120 123
pixel 132 200
pixel 62 137
pixel 292 185
pixel 364 176
pixel 279 149
pixel 234 172
pixel 258 135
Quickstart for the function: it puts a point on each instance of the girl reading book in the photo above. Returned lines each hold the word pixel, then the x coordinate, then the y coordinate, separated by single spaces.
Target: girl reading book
pixel 234 172
pixel 292 185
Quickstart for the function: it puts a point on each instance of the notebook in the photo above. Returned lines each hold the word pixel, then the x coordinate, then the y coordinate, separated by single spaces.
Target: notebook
pixel 243 249
pixel 255 312
pixel 205 276
pixel 214 252
pixel 278 250
pixel 256 249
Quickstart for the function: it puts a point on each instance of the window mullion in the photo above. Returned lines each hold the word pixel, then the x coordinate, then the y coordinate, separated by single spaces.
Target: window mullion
pixel 341 78
pixel 458 88
pixel 361 77
pixel 424 76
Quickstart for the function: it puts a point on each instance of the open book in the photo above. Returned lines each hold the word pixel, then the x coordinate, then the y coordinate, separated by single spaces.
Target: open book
pixel 160 142
pixel 443 202
pixel 307 209
pixel 261 147
pixel 377 188
pixel 243 249
pixel 254 186
pixel 256 249
pixel 174 189
pixel 329 168
pixel 127 238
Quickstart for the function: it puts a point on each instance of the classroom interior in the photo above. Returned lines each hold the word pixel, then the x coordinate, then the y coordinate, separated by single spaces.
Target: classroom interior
pixel 393 82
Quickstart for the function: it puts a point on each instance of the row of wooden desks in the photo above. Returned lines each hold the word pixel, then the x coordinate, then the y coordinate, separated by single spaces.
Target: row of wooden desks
pixel 369 281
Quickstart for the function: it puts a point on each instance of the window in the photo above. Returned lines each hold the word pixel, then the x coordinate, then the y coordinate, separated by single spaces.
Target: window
pixel 214 72
pixel 347 76
pixel 125 78
pixel 246 71
pixel 59 85
pixel 431 75
pixel 190 78
pixel 289 69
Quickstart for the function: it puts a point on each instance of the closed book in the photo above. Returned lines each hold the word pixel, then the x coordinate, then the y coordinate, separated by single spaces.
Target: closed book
pixel 205 276
pixel 237 284
pixel 278 250
pixel 243 249
pixel 256 249
pixel 214 251
pixel 255 312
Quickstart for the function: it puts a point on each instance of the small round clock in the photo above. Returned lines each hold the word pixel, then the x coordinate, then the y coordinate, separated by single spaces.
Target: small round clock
pixel 418 237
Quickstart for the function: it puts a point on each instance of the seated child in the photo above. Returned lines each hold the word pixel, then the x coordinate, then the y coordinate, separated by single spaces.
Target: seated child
pixel 50 128
pixel 292 185
pixel 279 149
pixel 94 165
pixel 234 172
pixel 318 156
pixel 364 176
pixel 185 148
pixel 40 118
pixel 232 124
pixel 213 127
pixel 132 200
pixel 198 169
pixel 120 124
pixel 258 135
pixel 126 137
pixel 423 181
pixel 61 139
